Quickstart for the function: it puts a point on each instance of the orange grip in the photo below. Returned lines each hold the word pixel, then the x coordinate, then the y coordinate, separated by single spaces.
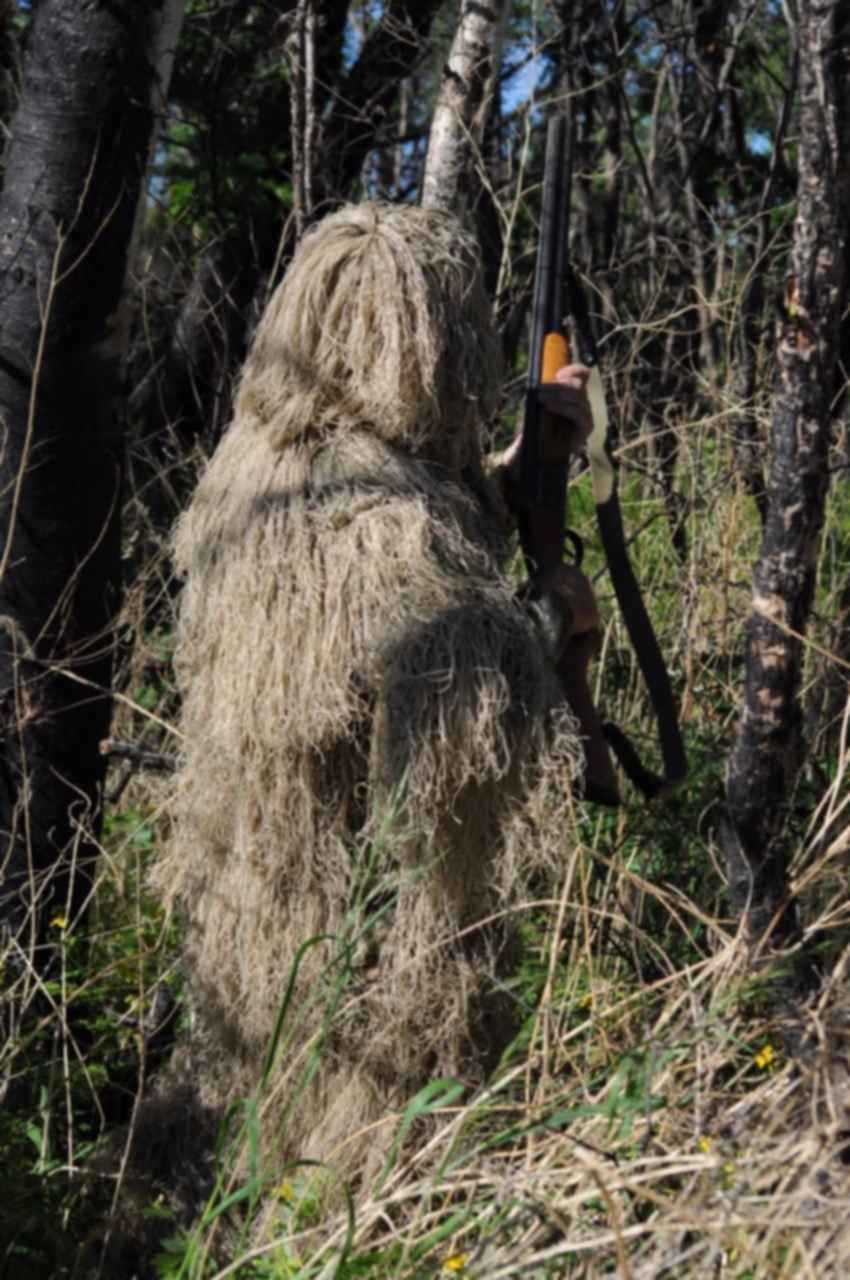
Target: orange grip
pixel 556 353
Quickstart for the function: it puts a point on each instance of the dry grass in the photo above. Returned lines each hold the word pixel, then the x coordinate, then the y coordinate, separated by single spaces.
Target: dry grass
pixel 677 1104
pixel 638 1127
pixel 679 1126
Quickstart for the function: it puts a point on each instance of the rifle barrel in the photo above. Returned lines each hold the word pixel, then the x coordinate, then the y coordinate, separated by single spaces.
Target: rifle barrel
pixel 542 480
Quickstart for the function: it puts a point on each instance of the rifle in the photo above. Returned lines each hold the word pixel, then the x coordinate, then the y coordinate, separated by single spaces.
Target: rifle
pixel 543 468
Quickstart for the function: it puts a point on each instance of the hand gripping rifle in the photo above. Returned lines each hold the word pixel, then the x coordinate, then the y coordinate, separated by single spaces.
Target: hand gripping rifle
pixel 543 468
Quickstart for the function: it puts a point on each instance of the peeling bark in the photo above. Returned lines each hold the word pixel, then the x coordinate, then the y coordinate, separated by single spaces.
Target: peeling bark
pixel 767 752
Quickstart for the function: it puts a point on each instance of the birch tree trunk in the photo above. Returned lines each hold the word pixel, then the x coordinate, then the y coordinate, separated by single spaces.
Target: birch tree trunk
pixel 767 752
pixel 463 101
pixel 75 169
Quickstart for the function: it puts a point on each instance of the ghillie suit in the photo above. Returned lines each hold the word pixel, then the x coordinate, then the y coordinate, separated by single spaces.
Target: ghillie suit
pixel 375 757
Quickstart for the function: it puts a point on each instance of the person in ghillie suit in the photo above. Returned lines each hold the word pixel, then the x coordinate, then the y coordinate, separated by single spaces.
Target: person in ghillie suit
pixel 377 754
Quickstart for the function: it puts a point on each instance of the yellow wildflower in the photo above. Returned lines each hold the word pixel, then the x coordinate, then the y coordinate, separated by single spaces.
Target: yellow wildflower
pixel 764 1057
pixel 59 922
pixel 456 1262
pixel 284 1191
pixel 704 1144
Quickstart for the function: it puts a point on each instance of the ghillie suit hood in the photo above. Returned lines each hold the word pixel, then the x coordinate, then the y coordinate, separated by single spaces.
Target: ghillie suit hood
pixel 375 758
pixel 381 321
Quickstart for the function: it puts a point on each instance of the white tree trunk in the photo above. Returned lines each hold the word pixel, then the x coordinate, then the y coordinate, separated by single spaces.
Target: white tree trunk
pixel 469 79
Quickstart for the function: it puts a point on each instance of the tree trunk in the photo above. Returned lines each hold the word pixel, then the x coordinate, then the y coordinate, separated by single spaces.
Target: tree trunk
pixel 460 112
pixel 74 169
pixel 767 752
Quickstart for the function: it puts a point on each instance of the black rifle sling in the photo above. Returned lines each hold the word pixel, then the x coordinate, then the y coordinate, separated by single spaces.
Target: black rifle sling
pixel 641 634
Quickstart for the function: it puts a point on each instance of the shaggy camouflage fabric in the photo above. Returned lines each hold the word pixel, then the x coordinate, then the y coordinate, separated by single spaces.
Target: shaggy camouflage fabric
pixel 376 756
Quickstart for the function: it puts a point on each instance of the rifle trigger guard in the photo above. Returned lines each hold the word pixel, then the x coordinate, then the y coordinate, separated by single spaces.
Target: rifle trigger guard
pixel 571 537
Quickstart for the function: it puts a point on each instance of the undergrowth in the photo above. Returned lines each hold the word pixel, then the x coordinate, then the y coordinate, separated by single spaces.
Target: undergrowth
pixel 659 1113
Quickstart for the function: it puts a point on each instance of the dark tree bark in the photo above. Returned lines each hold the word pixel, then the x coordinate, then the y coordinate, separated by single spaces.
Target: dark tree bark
pixel 8 54
pixel 767 752
pixel 76 159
